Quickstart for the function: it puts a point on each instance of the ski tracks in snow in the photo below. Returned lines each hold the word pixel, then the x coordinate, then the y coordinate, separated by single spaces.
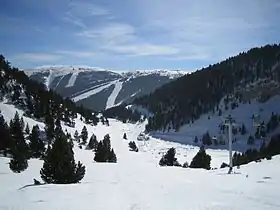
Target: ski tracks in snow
pixel 112 98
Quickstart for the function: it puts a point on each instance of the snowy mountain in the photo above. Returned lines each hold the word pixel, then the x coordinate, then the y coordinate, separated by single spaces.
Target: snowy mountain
pixel 246 86
pixel 136 181
pixel 99 89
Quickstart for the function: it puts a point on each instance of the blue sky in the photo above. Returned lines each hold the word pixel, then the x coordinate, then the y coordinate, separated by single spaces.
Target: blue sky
pixel 134 34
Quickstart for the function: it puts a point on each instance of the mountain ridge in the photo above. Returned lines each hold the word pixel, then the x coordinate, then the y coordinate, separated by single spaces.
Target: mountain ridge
pixel 99 89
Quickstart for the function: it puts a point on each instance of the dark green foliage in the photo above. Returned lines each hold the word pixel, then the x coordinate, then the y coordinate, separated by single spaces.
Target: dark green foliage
pixel 201 160
pixel 27 130
pixel 243 130
pixel 37 146
pixel 196 140
pixel 124 136
pixel 19 147
pixel 5 136
pixel 266 151
pixel 36 101
pixel 260 131
pixel 76 136
pixel 234 130
pixel 187 98
pixel 59 165
pixel 132 146
pixel 122 113
pixel 104 153
pixel 58 129
pixel 93 143
pixel 84 135
pixel 206 139
pixel 273 123
pixel 18 162
pixel 112 158
pixel 49 128
pixel 251 140
pixel 224 165
pixel 169 158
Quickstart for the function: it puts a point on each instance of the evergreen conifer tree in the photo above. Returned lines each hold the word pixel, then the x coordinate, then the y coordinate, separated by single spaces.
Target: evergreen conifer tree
pixel 76 136
pixel 19 147
pixel 100 154
pixel 132 146
pixel 49 128
pixel 124 136
pixel 112 157
pixel 169 158
pixel 84 135
pixel 92 143
pixel 201 160
pixel 59 165
pixel 5 136
pixel 27 130
pixel 36 145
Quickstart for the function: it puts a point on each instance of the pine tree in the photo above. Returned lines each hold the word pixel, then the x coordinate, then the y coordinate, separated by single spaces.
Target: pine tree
pixel 196 140
pixel 206 139
pixel 58 129
pixel 132 146
pixel 22 123
pixel 19 147
pixel 27 130
pixel 59 165
pixel 112 157
pixel 243 130
pixel 169 158
pixel 5 140
pixel 49 128
pixel 251 140
pixel 124 136
pixel 104 153
pixel 201 160
pixel 84 135
pixel 76 136
pixel 92 143
pixel 100 154
pixel 36 145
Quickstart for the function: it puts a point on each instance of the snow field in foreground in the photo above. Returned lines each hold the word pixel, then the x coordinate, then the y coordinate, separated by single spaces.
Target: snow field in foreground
pixel 137 182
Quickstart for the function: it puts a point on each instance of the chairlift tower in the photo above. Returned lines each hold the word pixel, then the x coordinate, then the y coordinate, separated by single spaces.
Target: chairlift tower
pixel 229 121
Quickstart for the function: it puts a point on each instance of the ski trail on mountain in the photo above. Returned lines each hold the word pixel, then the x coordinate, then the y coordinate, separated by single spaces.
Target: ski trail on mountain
pixel 72 79
pixel 59 81
pixel 48 80
pixel 112 98
pixel 92 92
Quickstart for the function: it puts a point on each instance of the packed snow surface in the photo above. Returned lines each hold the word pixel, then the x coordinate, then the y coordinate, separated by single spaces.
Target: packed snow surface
pixel 112 98
pixel 92 92
pixel 72 79
pixel 137 182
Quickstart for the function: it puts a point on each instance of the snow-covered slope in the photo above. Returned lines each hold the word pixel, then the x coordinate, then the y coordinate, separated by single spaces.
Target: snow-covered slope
pixel 210 123
pixel 137 182
pixel 84 84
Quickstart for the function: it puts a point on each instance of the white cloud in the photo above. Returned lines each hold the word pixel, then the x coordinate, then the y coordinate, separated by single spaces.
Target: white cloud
pixel 83 8
pixel 143 49
pixel 69 17
pixel 38 57
pixel 122 38
pixel 80 54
